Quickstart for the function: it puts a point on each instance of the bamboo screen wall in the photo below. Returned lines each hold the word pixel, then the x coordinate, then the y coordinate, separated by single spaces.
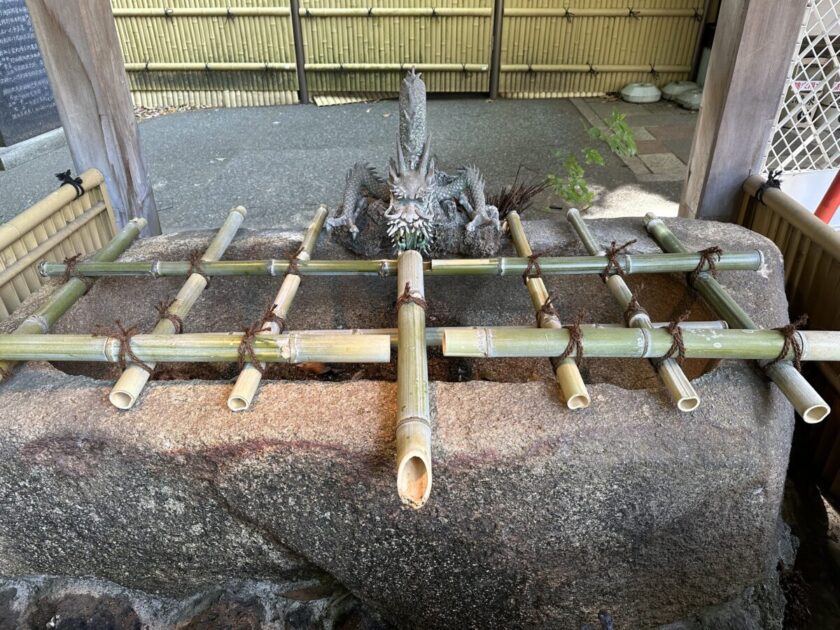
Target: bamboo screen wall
pixel 811 252
pixel 56 227
pixel 242 52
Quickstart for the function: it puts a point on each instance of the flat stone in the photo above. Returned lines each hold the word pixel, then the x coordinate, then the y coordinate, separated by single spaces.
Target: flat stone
pixel 664 164
pixel 538 516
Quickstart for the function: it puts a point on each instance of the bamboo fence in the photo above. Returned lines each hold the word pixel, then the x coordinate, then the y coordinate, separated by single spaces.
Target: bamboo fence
pixel 58 226
pixel 65 296
pixel 248 381
pixel 219 53
pixel 805 399
pixel 675 380
pixel 134 378
pixel 504 266
pixel 572 388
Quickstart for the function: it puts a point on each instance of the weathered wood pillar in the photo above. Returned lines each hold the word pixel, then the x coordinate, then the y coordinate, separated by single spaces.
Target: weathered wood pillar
pixel 84 62
pixel 751 56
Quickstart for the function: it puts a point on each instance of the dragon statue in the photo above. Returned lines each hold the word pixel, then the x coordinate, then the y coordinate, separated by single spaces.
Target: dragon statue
pixel 418 207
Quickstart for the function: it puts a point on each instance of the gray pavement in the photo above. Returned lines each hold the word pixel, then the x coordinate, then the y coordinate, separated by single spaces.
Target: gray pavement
pixel 281 162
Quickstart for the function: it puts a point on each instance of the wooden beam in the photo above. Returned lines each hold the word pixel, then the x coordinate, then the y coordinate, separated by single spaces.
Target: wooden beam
pixel 84 63
pixel 750 60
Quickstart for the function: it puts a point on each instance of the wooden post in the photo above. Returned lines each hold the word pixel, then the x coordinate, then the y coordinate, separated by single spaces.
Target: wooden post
pixel 750 60
pixel 300 56
pixel 496 47
pixel 84 63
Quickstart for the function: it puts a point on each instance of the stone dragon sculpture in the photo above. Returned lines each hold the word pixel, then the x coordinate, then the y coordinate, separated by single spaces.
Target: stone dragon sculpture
pixel 418 207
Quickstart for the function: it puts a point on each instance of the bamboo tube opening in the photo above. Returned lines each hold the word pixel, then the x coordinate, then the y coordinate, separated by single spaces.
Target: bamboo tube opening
pixel 688 403
pixel 815 414
pixel 414 467
pixel 122 399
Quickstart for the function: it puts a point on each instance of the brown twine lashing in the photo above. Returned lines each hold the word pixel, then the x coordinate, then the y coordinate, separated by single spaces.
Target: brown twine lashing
pixel 533 270
pixel 195 265
pixel 792 342
pixel 246 350
pixel 546 309
pixel 294 263
pixel 677 344
pixel 271 317
pixel 162 308
pixel 633 309
pixel 613 266
pixel 70 268
pixel 709 258
pixel 124 335
pixel 407 297
pixel 575 343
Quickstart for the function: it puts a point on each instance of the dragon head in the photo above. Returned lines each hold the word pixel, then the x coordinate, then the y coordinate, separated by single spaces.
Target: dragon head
pixel 411 210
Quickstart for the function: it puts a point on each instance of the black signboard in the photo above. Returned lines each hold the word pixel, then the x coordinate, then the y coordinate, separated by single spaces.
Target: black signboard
pixel 27 107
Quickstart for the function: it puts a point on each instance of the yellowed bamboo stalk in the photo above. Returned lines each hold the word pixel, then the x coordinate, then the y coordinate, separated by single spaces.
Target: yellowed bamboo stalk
pixel 586 68
pixel 312 12
pixel 414 429
pixel 574 12
pixel 134 378
pixel 681 390
pixel 248 381
pixel 246 66
pixel 572 388
pixel 226 12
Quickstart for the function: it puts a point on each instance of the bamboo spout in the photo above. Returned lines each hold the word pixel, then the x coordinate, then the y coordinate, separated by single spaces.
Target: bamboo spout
pixel 414 430
pixel 572 388
pixel 128 387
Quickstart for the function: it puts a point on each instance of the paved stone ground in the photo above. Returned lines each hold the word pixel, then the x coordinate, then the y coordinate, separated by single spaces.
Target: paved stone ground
pixel 663 133
pixel 281 162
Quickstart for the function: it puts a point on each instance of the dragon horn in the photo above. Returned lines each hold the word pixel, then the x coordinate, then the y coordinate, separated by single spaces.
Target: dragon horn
pixel 427 154
pixel 400 156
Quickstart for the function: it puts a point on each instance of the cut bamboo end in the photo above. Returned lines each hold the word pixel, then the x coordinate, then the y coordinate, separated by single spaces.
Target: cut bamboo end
pixel 414 462
pixel 245 389
pixel 572 388
pixel 681 390
pixel 815 414
pixel 122 399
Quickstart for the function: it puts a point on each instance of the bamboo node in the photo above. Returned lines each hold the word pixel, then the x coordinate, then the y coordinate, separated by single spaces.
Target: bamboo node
pixel 67 179
pixel 677 345
pixel 546 309
pixel 633 310
pixel 162 308
pixel 414 298
pixel 709 258
pixel 575 343
pixel 792 342
pixel 613 266
pixel 271 316
pixel 123 336
pixel 533 270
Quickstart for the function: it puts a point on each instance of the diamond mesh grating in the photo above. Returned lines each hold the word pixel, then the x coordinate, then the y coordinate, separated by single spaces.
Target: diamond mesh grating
pixel 807 133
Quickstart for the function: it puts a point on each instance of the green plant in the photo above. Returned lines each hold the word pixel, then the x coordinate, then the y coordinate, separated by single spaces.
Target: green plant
pixel 618 135
pixel 572 185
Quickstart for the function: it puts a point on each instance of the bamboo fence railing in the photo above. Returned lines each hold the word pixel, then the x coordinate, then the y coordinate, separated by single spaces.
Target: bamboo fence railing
pixel 57 227
pixel 220 53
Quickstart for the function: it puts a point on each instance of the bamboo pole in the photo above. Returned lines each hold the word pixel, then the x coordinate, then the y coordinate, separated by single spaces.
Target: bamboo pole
pixel 198 348
pixel 637 343
pixel 246 66
pixel 128 387
pixel 66 295
pixel 414 430
pixel 434 336
pixel 504 266
pixel 586 68
pixel 676 382
pixel 805 399
pixel 572 388
pixel 574 12
pixel 248 381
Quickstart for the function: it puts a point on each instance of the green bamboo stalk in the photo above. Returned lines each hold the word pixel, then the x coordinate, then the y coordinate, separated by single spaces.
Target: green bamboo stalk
pixel 248 381
pixel 572 388
pixel 676 382
pixel 198 348
pixel 128 387
pixel 42 320
pixel 414 430
pixel 504 266
pixel 805 399
pixel 636 343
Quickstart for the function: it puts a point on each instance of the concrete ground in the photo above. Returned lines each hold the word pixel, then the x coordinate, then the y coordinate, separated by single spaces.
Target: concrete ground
pixel 281 162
